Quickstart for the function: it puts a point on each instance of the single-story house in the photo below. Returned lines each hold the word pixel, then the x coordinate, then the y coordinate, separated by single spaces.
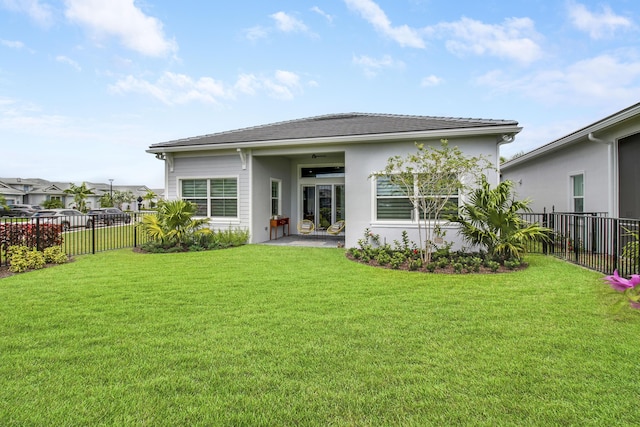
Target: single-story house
pixel 315 168
pixel 594 169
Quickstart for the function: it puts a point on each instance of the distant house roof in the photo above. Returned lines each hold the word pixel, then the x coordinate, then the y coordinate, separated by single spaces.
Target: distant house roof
pixel 335 126
pixel 583 134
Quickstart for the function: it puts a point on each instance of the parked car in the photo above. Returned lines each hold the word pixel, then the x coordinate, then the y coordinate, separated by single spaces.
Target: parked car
pixel 109 216
pixel 68 218
pixel 23 211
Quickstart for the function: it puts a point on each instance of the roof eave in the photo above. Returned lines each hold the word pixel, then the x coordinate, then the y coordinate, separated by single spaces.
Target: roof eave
pixel 576 136
pixel 350 139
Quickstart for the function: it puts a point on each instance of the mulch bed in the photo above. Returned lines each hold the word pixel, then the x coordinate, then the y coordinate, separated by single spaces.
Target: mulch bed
pixel 4 272
pixel 447 270
pixel 4 269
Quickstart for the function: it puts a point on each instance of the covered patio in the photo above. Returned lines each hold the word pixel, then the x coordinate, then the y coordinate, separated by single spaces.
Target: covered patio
pixel 318 241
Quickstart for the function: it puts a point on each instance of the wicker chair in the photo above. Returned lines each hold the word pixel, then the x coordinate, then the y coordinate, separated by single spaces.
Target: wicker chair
pixel 336 228
pixel 306 227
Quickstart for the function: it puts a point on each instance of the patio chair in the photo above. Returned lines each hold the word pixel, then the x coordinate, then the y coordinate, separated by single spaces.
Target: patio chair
pixel 336 228
pixel 306 227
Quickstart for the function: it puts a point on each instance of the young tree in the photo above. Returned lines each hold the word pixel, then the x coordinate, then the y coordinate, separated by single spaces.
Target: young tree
pixel 106 201
pixel 429 179
pixel 80 194
pixel 121 197
pixel 3 202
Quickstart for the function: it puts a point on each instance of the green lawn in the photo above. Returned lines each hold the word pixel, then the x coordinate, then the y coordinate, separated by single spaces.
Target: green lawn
pixel 266 335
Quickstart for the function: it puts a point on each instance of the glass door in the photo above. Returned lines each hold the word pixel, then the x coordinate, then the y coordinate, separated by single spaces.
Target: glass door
pixel 309 203
pixel 323 204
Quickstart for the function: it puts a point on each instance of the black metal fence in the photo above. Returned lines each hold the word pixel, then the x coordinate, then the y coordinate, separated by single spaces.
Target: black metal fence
pixel 79 235
pixel 592 240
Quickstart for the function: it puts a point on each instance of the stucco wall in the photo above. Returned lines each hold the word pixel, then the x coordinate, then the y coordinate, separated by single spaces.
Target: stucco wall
pixel 547 179
pixel 364 159
pixel 263 169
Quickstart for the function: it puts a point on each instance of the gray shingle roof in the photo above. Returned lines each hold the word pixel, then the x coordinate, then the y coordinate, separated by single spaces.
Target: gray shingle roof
pixel 336 125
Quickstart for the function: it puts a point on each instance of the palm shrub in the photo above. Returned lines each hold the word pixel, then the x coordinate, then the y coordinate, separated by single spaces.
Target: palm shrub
pixel 173 225
pixel 492 219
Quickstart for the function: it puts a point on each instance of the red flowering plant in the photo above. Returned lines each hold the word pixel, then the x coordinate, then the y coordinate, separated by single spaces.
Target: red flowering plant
pixel 630 288
pixel 39 236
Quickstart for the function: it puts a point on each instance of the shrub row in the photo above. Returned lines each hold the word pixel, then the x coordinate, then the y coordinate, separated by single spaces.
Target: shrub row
pixel 405 255
pixel 30 235
pixel 220 239
pixel 23 258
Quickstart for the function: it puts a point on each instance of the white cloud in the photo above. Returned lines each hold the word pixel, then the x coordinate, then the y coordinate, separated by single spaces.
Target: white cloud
pixel 600 80
pixel 372 66
pixel 38 12
pixel 66 60
pixel 24 117
pixel 514 39
pixel 256 33
pixel 121 19
pixel 431 80
pixel 172 88
pixel 321 12
pixel 372 13
pixel 13 44
pixel 283 85
pixel 598 25
pixel 175 89
pixel 288 24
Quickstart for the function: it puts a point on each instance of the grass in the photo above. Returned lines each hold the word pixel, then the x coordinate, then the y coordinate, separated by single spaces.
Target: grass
pixel 84 241
pixel 262 335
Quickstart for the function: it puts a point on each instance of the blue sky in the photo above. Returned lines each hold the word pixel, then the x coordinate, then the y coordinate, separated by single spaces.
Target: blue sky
pixel 87 85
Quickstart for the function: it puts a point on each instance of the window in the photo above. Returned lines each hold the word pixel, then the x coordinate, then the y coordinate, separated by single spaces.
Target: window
pixel 577 193
pixel 275 197
pixel 215 197
pixel 393 203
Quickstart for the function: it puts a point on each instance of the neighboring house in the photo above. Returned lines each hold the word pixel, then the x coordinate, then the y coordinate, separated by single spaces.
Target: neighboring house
pixel 316 168
pixel 36 191
pixel 594 169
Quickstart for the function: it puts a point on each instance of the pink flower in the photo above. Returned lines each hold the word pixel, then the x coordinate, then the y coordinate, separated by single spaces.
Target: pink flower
pixel 621 284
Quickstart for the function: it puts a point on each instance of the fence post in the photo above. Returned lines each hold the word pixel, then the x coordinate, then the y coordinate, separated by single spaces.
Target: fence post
pixel 594 247
pixel 545 222
pixel 93 236
pixel 38 243
pixel 576 242
pixel 135 229
pixel 616 232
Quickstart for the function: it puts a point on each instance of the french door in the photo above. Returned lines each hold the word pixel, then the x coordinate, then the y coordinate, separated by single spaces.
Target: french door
pixel 323 204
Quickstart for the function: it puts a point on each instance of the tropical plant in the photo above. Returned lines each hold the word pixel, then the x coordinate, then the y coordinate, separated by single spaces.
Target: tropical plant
pixel 631 250
pixel 173 224
pixel 149 197
pixel 492 219
pixel 3 202
pixel 432 179
pixel 80 194
pixel 630 288
pixel 106 201
pixel 53 204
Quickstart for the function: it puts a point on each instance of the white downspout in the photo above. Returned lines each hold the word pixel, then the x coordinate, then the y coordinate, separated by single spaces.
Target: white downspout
pixel 612 184
pixel 505 139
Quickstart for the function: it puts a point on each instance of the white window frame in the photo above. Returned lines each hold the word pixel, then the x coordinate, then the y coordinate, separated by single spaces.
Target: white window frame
pixel 208 197
pixel 278 198
pixel 572 196
pixel 415 214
